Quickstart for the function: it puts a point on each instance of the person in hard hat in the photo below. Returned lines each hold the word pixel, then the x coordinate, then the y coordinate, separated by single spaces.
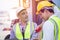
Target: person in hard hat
pixel 23 29
pixel 51 26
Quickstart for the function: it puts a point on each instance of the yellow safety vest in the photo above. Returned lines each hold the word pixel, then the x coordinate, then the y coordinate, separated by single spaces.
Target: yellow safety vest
pixel 56 20
pixel 26 34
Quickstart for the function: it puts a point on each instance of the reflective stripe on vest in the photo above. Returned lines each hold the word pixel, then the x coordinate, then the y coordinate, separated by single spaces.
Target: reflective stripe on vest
pixel 26 34
pixel 56 22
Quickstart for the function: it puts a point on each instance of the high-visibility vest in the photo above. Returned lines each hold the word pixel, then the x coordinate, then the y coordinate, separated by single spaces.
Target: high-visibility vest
pixel 26 34
pixel 56 22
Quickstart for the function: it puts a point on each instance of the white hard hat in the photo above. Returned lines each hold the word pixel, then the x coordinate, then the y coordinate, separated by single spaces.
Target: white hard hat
pixel 19 9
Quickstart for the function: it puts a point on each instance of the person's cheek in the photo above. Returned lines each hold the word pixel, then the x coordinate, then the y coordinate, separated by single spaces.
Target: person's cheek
pixel 40 16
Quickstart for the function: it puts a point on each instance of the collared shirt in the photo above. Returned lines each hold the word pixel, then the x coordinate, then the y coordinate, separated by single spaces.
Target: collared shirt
pixel 12 35
pixel 48 30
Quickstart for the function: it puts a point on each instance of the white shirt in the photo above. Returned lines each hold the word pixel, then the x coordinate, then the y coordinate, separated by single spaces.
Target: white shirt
pixel 48 30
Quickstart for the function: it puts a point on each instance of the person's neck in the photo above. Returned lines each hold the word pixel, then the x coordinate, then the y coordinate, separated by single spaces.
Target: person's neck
pixel 50 14
pixel 23 23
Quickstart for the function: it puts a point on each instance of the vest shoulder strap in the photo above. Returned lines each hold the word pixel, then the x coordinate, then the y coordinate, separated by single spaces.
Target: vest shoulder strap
pixel 55 28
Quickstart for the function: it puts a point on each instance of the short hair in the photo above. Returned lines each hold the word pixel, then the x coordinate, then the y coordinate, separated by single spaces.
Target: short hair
pixel 50 9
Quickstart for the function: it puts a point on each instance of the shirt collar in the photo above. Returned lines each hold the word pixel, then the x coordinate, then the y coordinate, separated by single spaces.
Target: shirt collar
pixel 21 22
pixel 52 16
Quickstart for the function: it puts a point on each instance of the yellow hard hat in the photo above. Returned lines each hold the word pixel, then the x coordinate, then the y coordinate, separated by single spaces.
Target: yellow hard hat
pixel 43 4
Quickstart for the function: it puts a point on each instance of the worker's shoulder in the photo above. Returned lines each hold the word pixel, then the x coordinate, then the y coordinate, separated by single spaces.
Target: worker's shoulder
pixel 48 23
pixel 14 23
